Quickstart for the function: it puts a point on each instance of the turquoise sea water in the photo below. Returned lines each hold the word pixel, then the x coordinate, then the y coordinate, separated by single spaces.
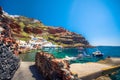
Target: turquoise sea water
pixel 113 51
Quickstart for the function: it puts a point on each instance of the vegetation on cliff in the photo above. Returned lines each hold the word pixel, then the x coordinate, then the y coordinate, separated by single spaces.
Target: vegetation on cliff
pixel 23 28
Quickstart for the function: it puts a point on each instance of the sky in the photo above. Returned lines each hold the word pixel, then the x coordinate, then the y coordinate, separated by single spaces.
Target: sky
pixel 97 20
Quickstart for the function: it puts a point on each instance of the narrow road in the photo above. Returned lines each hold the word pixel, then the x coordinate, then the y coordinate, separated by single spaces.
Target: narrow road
pixel 27 71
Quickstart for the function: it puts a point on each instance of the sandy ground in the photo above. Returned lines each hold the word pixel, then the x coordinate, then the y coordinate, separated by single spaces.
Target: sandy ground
pixel 87 68
pixel 27 71
pixel 111 61
pixel 88 71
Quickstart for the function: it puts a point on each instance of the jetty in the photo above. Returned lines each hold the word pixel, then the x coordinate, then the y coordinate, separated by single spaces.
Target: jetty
pixel 85 71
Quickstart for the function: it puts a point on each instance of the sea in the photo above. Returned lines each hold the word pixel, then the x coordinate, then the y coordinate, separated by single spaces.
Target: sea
pixel 112 51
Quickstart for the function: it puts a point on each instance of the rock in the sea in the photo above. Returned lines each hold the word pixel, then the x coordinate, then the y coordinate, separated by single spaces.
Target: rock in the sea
pixel 52 68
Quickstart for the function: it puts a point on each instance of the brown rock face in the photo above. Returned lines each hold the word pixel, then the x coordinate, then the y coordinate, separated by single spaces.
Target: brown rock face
pixel 1 11
pixel 6 27
pixel 32 30
pixel 52 68
pixel 56 30
pixel 15 27
pixel 27 30
pixel 9 62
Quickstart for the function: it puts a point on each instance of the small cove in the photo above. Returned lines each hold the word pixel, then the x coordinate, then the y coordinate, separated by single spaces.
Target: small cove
pixel 107 50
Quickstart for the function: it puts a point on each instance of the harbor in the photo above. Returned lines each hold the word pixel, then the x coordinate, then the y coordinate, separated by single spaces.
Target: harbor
pixel 82 46
pixel 87 67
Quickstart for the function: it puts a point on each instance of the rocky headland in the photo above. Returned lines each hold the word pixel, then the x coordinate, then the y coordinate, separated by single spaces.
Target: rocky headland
pixel 22 28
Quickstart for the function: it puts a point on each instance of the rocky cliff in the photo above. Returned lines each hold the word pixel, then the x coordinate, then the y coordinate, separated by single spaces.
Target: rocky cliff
pixel 9 62
pixel 22 28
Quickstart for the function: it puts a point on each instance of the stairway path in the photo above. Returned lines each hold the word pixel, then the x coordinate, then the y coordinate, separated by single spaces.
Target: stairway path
pixel 27 71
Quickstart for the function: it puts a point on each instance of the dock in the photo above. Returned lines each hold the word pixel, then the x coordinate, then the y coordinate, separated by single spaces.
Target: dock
pixel 92 70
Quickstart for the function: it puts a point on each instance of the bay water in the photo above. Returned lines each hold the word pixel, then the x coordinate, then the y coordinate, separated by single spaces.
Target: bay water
pixel 112 51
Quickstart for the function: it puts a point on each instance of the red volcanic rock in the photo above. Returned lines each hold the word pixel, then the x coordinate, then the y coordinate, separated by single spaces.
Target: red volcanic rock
pixel 15 27
pixel 36 31
pixel 56 30
pixel 1 11
pixel 59 30
pixel 27 29
pixel 51 31
pixel 32 30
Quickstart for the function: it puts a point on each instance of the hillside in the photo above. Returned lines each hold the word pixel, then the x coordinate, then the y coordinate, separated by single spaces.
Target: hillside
pixel 9 61
pixel 22 28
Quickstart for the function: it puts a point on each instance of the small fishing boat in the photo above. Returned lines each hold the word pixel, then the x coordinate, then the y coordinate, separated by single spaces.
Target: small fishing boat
pixel 97 53
pixel 80 49
pixel 74 58
pixel 69 58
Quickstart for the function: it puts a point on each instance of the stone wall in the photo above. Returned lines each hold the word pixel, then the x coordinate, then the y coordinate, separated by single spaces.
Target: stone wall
pixel 8 62
pixel 52 68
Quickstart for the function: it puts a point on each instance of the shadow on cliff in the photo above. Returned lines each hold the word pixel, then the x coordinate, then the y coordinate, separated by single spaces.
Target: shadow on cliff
pixel 35 73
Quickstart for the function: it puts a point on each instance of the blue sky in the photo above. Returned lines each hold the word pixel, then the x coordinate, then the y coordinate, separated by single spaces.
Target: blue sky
pixel 97 20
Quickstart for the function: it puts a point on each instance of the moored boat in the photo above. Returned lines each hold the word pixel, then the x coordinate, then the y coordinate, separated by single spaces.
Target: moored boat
pixel 97 53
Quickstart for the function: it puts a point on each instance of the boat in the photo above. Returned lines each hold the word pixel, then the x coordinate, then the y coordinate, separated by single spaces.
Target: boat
pixel 69 58
pixel 80 49
pixel 80 56
pixel 97 53
pixel 82 52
